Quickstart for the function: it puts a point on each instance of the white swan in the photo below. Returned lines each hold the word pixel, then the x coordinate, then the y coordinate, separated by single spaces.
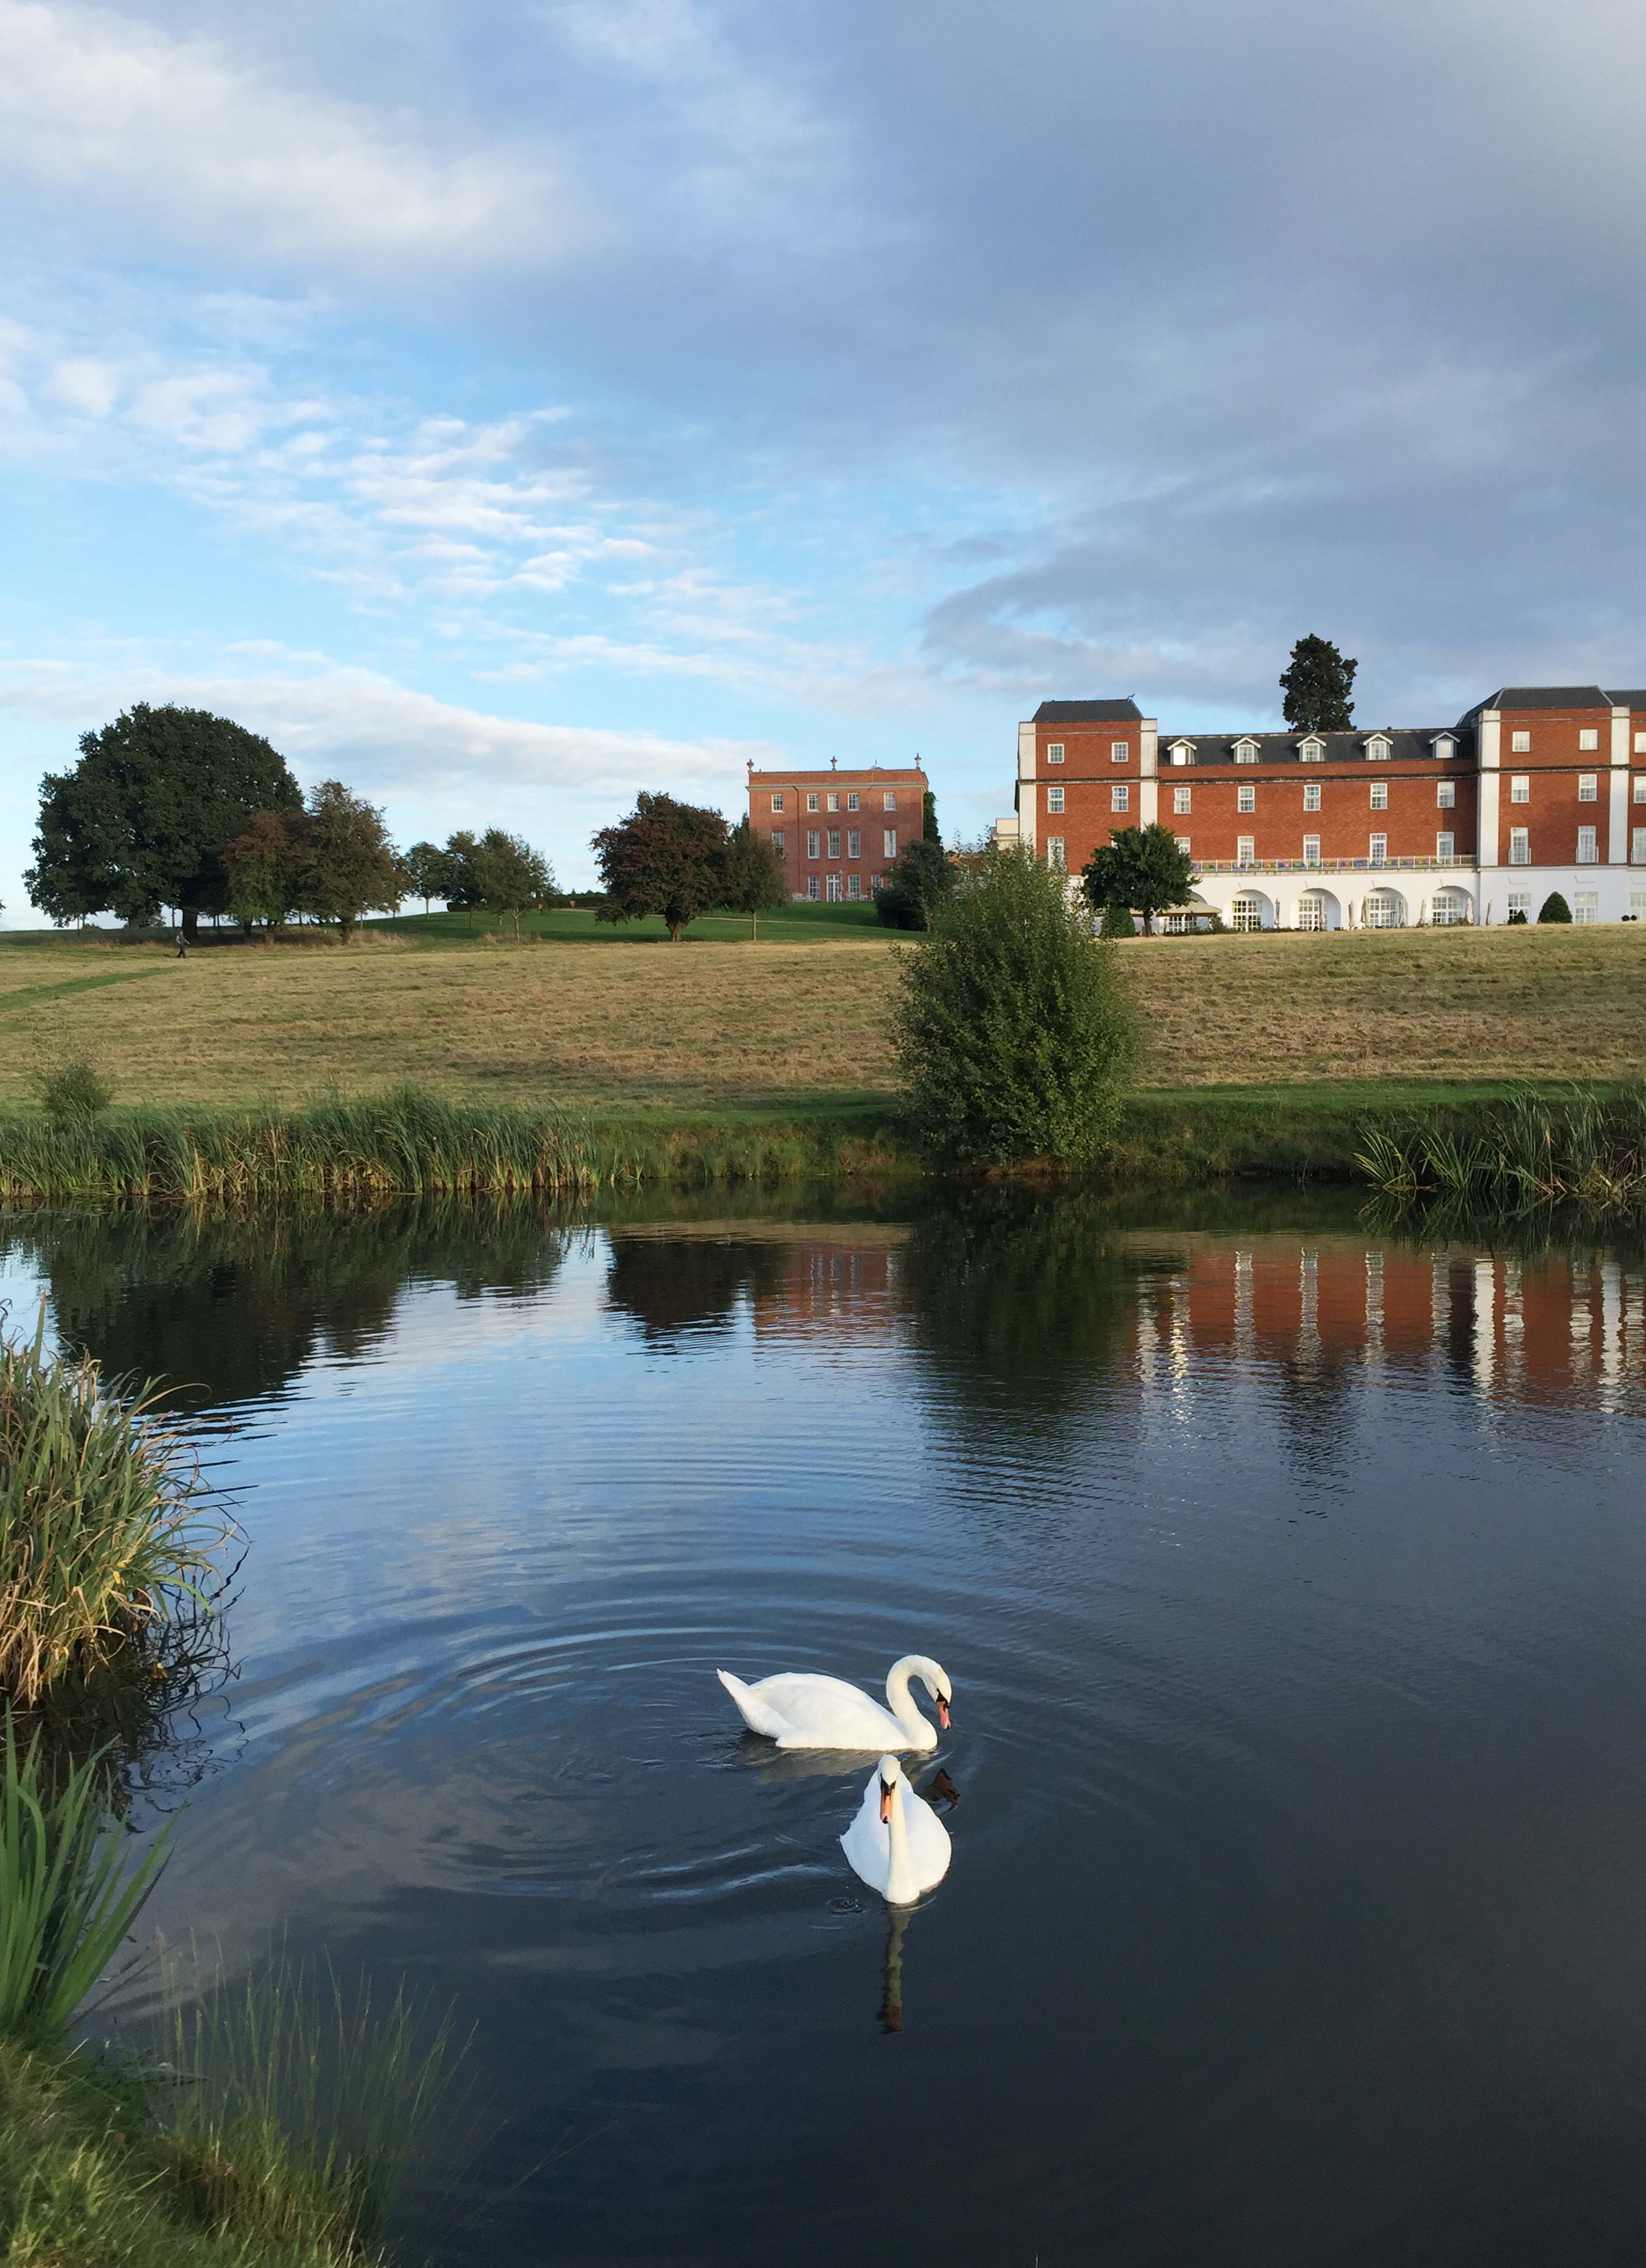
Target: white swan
pixel 897 1844
pixel 800 1711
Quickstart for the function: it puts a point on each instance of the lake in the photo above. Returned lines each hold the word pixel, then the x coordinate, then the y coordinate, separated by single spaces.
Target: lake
pixel 1292 1579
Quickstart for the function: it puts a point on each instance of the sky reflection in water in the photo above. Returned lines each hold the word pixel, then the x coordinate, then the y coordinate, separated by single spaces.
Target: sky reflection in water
pixel 1290 1579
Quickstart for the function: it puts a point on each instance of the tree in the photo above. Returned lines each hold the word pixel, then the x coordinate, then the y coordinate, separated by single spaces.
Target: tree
pixel 142 821
pixel 344 863
pixel 1117 922
pixel 1318 686
pixel 754 878
pixel 459 877
pixel 664 859
pixel 929 819
pixel 425 868
pixel 1554 909
pixel 1139 867
pixel 509 876
pixel 260 862
pixel 913 889
pixel 1014 1031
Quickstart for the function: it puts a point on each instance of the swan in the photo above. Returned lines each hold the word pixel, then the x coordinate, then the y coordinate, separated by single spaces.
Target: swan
pixel 897 1844
pixel 800 1711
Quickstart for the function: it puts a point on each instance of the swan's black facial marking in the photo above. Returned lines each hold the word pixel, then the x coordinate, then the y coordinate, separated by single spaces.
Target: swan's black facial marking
pixel 886 1791
pixel 943 1713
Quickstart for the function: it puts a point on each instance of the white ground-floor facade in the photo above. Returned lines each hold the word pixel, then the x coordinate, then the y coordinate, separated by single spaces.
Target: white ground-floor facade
pixel 1401 897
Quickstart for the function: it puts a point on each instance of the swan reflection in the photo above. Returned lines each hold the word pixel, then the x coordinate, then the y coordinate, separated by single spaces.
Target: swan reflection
pixel 889 2015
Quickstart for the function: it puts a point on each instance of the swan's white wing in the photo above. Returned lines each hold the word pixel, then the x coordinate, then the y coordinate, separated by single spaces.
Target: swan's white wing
pixel 825 1712
pixel 755 1711
pixel 929 1849
pixel 867 1845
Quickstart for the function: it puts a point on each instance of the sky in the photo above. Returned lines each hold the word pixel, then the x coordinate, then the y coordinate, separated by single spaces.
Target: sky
pixel 509 407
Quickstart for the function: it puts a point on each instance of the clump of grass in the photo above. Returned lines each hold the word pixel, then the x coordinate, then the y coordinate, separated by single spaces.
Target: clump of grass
pixel 67 1897
pixel 74 1090
pixel 298 2105
pixel 105 1527
pixel 1582 1151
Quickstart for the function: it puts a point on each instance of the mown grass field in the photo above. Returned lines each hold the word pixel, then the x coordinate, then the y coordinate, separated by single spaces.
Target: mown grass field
pixel 603 1018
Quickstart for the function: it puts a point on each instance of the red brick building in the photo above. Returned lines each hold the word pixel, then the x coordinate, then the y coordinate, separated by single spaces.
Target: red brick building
pixel 837 832
pixel 1379 827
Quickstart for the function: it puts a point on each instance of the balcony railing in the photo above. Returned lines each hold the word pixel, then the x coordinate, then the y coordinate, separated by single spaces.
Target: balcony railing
pixel 1325 866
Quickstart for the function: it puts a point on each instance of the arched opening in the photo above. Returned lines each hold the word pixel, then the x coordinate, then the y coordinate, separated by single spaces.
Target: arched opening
pixel 1450 908
pixel 1250 910
pixel 1317 910
pixel 1385 910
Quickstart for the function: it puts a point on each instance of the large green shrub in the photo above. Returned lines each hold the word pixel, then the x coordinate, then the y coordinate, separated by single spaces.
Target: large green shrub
pixel 1554 909
pixel 1014 1029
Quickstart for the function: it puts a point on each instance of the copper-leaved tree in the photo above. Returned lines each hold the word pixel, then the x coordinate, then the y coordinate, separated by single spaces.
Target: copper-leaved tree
pixel 665 858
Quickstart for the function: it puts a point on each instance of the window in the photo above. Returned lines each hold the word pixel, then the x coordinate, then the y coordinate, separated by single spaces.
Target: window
pixel 854 886
pixel 777 803
pixel 1053 799
pixel 854 841
pixel 1639 744
pixel 1585 846
pixel 1637 905
pixel 1311 795
pixel 1182 752
pixel 1054 853
pixel 1520 744
pixel 1519 787
pixel 1519 902
pixel 1520 846
pixel 1310 850
pixel 888 799
pixel 1637 847
pixel 812 885
pixel 1382 910
pixel 1183 844
pixel 1054 753
pixel 1442 849
pixel 834 802
pixel 778 840
pixel 1245 753
pixel 812 803
pixel 1311 910
pixel 1182 800
pixel 1589 737
pixel 1246 796
pixel 851 803
pixel 1313 752
pixel 1449 910
pixel 1121 796
pixel 815 844
pixel 1585 905
pixel 1640 788
pixel 1380 795
pixel 1588 787
pixel 1377 849
pixel 1445 794
pixel 1247 913
pixel 1245 850
pixel 1444 746
pixel 888 842
pixel 832 893
pixel 834 842
pixel 1377 750
pixel 1120 751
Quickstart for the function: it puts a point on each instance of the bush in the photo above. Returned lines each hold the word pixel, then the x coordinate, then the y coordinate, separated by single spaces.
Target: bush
pixel 1117 922
pixel 1013 1030
pixel 1517 920
pixel 922 880
pixel 1554 909
pixel 74 1090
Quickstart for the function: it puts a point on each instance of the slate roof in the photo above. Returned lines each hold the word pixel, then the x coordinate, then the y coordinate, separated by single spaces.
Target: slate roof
pixel 1540 696
pixel 1405 746
pixel 1088 712
pixel 1627 700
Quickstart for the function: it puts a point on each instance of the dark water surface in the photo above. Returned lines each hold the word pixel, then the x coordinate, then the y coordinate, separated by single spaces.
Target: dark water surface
pixel 1293 1583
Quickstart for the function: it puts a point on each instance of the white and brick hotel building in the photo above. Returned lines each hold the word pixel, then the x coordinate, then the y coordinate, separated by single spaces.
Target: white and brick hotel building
pixel 1540 788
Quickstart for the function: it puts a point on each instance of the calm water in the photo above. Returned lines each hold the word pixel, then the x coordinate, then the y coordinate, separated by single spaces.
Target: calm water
pixel 1293 1583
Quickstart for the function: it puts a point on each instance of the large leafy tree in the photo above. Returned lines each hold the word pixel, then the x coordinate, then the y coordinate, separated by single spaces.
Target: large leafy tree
pixel 142 821
pixel 509 876
pixel 911 891
pixel 1318 686
pixel 345 865
pixel 753 878
pixel 665 858
pixel 261 864
pixel 1140 868
pixel 425 867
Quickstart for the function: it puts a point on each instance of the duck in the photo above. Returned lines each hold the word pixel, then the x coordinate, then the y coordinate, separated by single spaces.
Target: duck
pixel 799 1710
pixel 896 1844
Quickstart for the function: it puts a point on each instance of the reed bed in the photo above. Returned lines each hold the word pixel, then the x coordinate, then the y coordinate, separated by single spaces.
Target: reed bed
pixel 107 1530
pixel 1582 1151
pixel 406 1143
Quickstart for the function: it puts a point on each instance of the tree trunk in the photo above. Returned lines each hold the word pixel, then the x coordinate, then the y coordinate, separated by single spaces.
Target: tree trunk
pixel 675 927
pixel 191 922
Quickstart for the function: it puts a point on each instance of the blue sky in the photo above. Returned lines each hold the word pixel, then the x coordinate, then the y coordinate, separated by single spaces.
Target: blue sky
pixel 507 407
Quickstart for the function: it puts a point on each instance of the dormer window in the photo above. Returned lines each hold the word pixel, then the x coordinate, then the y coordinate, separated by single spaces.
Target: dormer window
pixel 1183 752
pixel 1312 751
pixel 1378 748
pixel 1246 752
pixel 1445 745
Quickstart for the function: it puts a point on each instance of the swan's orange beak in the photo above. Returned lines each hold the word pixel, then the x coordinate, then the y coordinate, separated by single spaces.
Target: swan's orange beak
pixel 943 1713
pixel 885 1803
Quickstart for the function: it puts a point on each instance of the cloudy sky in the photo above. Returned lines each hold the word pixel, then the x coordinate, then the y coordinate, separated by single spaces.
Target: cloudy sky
pixel 510 406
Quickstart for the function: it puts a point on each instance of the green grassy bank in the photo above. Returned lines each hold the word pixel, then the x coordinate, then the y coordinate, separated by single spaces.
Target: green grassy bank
pixel 411 1142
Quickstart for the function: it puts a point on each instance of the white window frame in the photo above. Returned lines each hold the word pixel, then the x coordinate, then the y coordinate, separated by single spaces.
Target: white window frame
pixel 1588 787
pixel 814 887
pixel 888 842
pixel 1445 848
pixel 1445 795
pixel 1311 795
pixel 1246 752
pixel 1639 744
pixel 1245 913
pixel 1183 752
pixel 1377 849
pixel 1119 795
pixel 1246 850
pixel 888 799
pixel 1053 799
pixel 1184 844
pixel 1120 751
pixel 1637 846
pixel 1520 846
pixel 1310 850
pixel 851 800
pixel 1378 749
pixel 1588 846
pixel 1520 787
pixel 834 842
pixel 831 890
pixel 1054 854
pixel 1246 796
pixel 1640 787
pixel 1182 801
pixel 779 840
pixel 1380 795
pixel 1520 743
pixel 814 843
pixel 1311 752
pixel 1520 901
pixel 1585 906
pixel 1054 752
pixel 834 799
pixel 1588 736
pixel 1445 746
pixel 854 886
pixel 777 801
pixel 854 841
pixel 812 801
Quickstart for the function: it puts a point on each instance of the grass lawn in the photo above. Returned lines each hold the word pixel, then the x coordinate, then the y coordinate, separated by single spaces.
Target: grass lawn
pixel 617 1019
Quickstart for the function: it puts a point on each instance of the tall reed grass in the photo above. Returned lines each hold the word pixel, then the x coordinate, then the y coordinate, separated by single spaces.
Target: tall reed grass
pixel 406 1142
pixel 106 1528
pixel 1581 1151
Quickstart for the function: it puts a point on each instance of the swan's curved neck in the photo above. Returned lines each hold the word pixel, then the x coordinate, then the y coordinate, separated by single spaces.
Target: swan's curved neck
pixel 901 1701
pixel 900 1880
